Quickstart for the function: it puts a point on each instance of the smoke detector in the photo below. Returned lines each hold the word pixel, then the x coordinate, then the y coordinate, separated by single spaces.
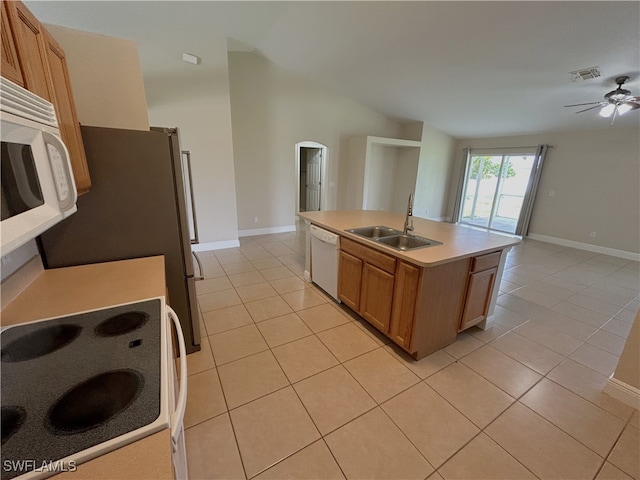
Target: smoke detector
pixel 584 74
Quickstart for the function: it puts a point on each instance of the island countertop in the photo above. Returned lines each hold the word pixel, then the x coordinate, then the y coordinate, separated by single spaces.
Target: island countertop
pixel 458 241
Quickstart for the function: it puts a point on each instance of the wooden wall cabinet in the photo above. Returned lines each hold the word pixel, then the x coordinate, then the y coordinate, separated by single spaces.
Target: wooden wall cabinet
pixel 29 42
pixel 66 112
pixel 33 59
pixel 10 65
pixel 482 275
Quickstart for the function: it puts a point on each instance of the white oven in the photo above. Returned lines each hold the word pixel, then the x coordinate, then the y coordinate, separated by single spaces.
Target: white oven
pixel 82 385
pixel 38 189
pixel 177 399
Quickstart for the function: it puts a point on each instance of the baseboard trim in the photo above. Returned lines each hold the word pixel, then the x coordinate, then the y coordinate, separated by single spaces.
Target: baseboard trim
pixel 586 246
pixel 266 231
pixel 622 391
pixel 202 247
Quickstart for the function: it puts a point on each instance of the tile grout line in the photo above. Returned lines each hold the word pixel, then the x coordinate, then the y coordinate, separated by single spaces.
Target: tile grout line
pixel 321 436
pixel 516 400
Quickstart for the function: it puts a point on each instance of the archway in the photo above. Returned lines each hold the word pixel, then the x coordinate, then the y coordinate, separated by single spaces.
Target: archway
pixel 311 166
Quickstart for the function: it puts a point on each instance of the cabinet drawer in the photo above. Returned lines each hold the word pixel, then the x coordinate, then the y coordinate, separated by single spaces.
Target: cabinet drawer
pixel 483 262
pixel 369 255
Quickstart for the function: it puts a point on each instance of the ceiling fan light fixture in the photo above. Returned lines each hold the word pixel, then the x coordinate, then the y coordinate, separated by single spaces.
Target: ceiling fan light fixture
pixel 624 108
pixel 607 110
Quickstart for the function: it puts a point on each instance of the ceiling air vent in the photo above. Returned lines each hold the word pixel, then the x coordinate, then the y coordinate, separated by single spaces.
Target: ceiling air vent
pixel 584 74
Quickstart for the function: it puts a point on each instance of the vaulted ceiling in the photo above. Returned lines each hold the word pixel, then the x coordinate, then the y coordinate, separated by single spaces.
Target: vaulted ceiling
pixel 467 68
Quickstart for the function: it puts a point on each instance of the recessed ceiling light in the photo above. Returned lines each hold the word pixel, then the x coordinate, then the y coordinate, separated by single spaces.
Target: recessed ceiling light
pixel 584 74
pixel 188 58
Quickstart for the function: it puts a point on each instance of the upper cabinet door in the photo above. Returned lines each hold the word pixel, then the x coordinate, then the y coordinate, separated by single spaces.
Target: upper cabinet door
pixel 40 66
pixel 31 49
pixel 66 112
pixel 10 64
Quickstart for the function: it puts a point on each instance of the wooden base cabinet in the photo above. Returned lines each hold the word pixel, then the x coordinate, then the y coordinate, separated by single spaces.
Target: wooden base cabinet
pixel 33 59
pixel 482 278
pixel 380 288
pixel 350 280
pixel 377 296
pixel 405 297
pixel 421 309
pixel 365 282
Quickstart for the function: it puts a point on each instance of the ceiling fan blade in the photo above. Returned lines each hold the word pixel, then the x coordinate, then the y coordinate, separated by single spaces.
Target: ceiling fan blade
pixel 582 104
pixel 615 113
pixel 586 109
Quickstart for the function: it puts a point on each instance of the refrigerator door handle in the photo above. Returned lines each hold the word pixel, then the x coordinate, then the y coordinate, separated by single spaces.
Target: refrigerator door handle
pixel 188 179
pixel 201 276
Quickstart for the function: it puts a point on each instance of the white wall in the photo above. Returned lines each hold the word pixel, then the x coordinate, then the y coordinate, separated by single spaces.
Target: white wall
pixel 381 165
pixel 392 177
pixel 435 170
pixel 200 108
pixel 406 173
pixel 106 79
pixel 594 175
pixel 271 111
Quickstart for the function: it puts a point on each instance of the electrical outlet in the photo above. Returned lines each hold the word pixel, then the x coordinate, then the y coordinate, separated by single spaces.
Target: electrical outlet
pixel 552 193
pixel 255 219
pixel 427 211
pixel 592 234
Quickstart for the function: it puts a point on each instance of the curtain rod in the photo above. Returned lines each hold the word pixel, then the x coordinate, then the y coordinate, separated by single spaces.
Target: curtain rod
pixel 504 148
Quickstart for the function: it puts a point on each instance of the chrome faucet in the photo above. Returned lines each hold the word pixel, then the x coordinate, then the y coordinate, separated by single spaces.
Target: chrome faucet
pixel 408 220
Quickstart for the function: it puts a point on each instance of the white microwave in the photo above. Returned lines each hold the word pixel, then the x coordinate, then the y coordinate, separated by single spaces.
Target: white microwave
pixel 38 189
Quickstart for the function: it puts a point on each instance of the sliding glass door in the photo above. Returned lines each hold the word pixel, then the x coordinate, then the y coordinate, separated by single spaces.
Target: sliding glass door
pixel 494 190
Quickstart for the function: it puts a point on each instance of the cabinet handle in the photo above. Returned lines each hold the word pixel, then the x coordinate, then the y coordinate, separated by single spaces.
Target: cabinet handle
pixel 177 417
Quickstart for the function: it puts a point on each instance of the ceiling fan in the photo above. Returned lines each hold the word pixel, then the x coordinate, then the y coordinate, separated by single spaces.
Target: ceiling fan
pixel 616 102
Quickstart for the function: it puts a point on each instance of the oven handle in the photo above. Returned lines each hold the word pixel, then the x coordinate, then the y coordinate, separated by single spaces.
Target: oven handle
pixel 177 417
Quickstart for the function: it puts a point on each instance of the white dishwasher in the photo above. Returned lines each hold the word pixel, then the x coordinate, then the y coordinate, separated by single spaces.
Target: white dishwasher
pixel 325 255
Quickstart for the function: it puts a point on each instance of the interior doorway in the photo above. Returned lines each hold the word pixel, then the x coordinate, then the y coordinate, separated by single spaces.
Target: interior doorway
pixel 311 159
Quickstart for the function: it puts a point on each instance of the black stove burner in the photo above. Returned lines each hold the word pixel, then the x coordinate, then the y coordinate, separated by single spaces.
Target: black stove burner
pixel 94 401
pixel 41 342
pixel 89 390
pixel 121 324
pixel 11 420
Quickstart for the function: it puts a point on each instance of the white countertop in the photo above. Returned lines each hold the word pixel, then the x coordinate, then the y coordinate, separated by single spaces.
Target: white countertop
pixel 457 241
pixel 63 291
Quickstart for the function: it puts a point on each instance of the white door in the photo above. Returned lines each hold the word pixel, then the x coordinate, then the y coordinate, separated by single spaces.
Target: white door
pixel 314 163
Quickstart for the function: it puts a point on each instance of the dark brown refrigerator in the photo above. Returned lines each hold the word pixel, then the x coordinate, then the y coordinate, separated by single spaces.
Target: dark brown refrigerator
pixel 135 208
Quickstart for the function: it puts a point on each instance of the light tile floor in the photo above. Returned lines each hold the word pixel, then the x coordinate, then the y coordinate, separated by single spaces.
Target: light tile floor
pixel 289 385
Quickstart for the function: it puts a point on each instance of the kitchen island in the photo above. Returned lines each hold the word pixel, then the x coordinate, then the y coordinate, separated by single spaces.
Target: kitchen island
pixel 421 298
pixel 66 291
